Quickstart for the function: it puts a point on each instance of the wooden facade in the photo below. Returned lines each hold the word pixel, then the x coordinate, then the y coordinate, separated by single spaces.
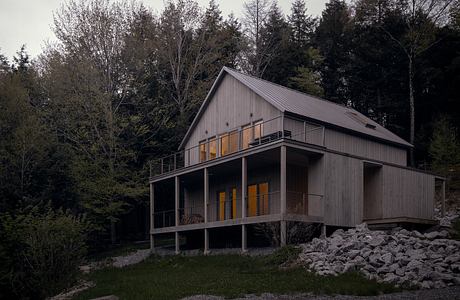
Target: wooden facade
pixel 293 169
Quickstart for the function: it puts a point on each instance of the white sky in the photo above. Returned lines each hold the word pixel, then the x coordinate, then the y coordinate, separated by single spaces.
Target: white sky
pixel 29 21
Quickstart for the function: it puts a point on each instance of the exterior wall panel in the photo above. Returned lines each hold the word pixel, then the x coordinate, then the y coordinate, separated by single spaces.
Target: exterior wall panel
pixel 232 103
pixel 343 190
pixel 355 145
pixel 407 193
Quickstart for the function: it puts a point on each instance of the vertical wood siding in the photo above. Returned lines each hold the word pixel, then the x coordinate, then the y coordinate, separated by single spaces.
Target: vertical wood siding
pixel 407 193
pixel 343 190
pixel 347 143
pixel 232 103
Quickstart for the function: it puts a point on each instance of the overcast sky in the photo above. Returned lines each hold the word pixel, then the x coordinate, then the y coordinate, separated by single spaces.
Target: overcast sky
pixel 29 21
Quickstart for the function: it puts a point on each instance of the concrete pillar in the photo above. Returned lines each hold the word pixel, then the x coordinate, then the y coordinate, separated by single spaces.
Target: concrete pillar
pixel 323 230
pixel 244 184
pixel 206 194
pixel 206 241
pixel 244 239
pixel 177 242
pixel 152 194
pixel 283 233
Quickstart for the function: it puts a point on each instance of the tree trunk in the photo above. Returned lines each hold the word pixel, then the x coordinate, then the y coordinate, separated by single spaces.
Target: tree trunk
pixel 412 110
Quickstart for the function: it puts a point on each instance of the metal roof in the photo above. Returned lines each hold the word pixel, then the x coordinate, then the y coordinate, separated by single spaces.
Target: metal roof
pixel 291 101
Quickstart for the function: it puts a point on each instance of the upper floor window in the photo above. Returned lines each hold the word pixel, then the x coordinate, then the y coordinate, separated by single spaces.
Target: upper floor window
pixel 203 151
pixel 246 136
pixel 258 129
pixel 212 148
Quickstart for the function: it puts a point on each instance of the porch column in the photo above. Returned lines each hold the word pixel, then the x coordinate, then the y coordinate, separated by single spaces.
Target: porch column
pixel 443 198
pixel 244 239
pixel 206 241
pixel 176 205
pixel 244 184
pixel 152 245
pixel 206 194
pixel 283 195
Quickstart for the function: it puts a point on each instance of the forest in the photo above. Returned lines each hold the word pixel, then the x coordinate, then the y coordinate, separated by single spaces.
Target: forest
pixel 80 122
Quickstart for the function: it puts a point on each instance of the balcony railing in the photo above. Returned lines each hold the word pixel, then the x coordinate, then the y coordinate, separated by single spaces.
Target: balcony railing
pixel 298 203
pixel 238 140
pixel 225 210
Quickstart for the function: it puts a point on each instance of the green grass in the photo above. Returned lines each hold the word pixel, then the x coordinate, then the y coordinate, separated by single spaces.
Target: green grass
pixel 226 275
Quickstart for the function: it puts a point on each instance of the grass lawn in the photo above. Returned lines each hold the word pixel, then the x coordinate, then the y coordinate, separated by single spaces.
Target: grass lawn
pixel 226 275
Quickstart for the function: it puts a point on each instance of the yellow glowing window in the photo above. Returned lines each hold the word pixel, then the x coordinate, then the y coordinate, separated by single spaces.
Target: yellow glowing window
pixel 203 151
pixel 246 136
pixel 212 148
pixel 224 145
pixel 258 129
pixel 221 206
pixel 233 141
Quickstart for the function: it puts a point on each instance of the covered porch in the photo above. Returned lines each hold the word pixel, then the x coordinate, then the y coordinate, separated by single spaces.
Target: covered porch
pixel 277 185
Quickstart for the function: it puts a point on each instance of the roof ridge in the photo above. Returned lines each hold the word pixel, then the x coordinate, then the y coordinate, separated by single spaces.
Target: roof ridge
pixel 291 89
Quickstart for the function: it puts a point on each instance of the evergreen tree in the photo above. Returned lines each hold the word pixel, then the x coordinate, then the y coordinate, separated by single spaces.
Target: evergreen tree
pixel 333 40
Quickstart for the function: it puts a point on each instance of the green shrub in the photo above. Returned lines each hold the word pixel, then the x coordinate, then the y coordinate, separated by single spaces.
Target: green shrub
pixel 42 253
pixel 284 255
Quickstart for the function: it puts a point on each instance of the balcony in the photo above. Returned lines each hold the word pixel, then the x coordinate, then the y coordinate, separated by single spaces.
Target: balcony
pixel 298 203
pixel 239 140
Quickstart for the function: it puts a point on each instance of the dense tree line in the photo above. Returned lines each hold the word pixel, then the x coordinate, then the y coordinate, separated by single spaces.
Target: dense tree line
pixel 80 122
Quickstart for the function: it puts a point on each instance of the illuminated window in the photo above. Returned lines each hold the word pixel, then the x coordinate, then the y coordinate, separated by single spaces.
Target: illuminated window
pixel 246 136
pixel 233 141
pixel 212 148
pixel 258 129
pixel 203 151
pixel 224 144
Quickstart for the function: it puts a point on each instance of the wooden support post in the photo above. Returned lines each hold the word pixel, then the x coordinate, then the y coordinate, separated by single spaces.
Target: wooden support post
pixel 177 242
pixel 283 229
pixel 176 199
pixel 283 181
pixel 206 194
pixel 244 239
pixel 152 215
pixel 244 184
pixel 443 198
pixel 176 205
pixel 206 241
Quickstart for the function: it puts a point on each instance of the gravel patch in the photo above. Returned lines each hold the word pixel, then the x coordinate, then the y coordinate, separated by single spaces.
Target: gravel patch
pixel 130 259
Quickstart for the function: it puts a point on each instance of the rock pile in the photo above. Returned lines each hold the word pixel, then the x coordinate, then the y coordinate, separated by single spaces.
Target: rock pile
pixel 399 257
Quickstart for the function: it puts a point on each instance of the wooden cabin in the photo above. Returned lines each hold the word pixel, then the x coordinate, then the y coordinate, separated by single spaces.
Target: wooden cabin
pixel 258 152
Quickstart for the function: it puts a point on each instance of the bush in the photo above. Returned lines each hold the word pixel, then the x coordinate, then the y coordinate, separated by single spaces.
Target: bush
pixel 42 253
pixel 284 255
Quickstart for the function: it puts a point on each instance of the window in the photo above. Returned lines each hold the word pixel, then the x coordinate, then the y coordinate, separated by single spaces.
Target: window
pixel 258 199
pixel 221 206
pixel 203 151
pixel 224 144
pixel 233 197
pixel 212 148
pixel 233 141
pixel 246 136
pixel 258 129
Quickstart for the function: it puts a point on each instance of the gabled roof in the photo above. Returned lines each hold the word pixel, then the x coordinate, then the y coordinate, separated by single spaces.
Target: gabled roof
pixel 290 101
